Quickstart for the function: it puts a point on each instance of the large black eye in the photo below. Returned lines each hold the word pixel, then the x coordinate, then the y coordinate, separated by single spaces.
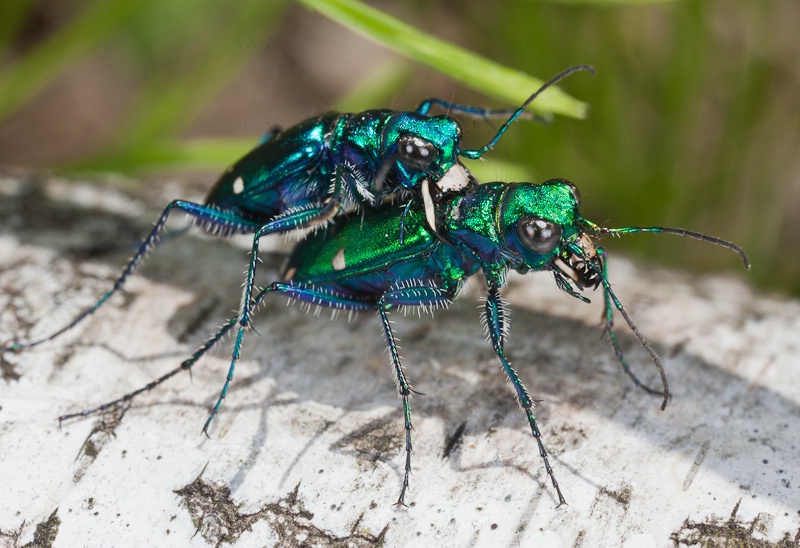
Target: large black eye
pixel 539 235
pixel 416 152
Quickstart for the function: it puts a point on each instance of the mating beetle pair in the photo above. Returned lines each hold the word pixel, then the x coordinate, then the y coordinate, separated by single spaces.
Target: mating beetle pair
pixel 323 166
pixel 385 258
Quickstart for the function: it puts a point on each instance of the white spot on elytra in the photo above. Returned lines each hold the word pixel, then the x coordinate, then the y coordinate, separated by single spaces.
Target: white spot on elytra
pixel 338 260
pixel 238 185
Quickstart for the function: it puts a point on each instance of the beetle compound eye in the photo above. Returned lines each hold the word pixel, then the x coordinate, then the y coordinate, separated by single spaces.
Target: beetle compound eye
pixel 539 235
pixel 417 152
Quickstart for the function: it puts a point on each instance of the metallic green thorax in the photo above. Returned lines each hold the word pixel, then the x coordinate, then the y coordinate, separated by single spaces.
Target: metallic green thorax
pixel 485 222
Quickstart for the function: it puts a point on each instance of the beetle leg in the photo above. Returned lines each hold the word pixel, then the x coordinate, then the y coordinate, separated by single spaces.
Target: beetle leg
pixel 412 296
pixel 495 324
pixel 292 220
pixel 209 216
pixel 302 218
pixel 403 388
pixel 418 295
pixel 185 365
pixel 299 292
pixel 607 321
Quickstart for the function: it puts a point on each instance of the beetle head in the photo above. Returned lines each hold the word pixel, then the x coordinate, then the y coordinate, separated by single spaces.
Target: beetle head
pixel 420 147
pixel 542 229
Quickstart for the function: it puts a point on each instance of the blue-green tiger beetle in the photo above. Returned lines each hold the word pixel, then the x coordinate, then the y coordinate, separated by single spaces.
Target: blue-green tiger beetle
pixel 358 264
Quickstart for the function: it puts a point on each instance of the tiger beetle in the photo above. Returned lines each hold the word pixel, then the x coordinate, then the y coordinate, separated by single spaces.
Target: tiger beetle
pixel 307 174
pixel 358 264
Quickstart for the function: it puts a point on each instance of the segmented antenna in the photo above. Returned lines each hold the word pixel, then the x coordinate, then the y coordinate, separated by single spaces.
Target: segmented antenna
pixel 676 231
pixel 475 154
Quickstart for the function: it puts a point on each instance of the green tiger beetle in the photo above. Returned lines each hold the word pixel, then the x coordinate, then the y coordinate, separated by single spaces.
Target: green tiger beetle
pixel 309 173
pixel 358 264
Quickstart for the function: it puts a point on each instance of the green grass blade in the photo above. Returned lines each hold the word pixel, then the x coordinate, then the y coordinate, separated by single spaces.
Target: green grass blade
pixel 474 71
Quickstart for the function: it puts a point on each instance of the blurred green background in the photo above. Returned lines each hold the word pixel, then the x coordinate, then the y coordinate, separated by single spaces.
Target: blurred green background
pixel 693 119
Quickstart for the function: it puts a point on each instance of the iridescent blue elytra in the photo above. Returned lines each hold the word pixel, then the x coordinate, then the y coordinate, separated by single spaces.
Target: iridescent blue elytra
pixel 358 264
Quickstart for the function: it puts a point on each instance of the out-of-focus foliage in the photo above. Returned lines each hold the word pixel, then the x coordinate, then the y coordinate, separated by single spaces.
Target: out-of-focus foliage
pixel 693 116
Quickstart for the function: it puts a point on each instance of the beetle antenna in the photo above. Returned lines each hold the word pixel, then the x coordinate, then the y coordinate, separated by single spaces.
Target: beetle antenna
pixel 475 154
pixel 676 231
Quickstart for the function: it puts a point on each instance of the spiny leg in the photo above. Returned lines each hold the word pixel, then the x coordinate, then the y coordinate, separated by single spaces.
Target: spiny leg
pixel 403 388
pixel 494 318
pixel 299 292
pixel 208 215
pixel 610 297
pixel 186 365
pixel 410 296
pixel 294 219
pixel 494 326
